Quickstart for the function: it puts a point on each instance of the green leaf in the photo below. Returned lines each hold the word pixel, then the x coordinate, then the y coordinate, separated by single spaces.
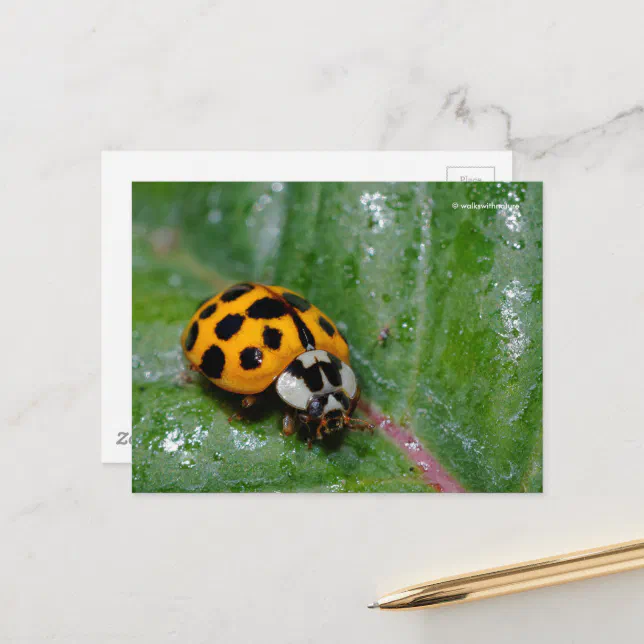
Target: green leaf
pixel 458 288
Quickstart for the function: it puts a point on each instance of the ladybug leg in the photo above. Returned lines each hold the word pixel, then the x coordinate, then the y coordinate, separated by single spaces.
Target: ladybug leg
pixel 356 423
pixel 305 419
pixel 321 429
pixel 248 401
pixel 288 423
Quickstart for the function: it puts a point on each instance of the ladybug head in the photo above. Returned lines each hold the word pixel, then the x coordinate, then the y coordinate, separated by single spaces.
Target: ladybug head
pixel 331 411
pixel 322 388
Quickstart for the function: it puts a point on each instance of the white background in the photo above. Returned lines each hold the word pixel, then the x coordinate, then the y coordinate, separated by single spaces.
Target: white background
pixel 560 84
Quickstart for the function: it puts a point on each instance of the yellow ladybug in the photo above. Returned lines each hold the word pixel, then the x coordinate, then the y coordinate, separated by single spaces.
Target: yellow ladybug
pixel 251 335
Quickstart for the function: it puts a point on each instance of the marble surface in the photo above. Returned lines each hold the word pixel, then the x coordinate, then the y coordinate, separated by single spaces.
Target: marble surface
pixel 560 84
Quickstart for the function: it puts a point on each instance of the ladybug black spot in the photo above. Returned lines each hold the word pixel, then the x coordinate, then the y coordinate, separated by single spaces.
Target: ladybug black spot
pixel 213 361
pixel 311 375
pixel 272 338
pixel 208 311
pixel 342 398
pixel 332 373
pixel 228 326
pixel 236 291
pixel 303 332
pixel 335 361
pixel 298 302
pixel 327 327
pixel 191 338
pixel 251 358
pixel 266 308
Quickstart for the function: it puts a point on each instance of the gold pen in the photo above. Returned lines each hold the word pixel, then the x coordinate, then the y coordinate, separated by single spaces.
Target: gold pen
pixel 516 578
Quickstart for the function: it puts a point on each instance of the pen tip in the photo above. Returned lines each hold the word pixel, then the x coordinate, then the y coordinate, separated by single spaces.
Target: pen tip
pixel 374 605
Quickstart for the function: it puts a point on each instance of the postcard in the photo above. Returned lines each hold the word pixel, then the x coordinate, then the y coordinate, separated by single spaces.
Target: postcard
pixel 323 336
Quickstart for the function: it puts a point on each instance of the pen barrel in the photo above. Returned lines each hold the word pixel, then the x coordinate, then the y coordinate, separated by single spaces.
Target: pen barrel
pixel 516 578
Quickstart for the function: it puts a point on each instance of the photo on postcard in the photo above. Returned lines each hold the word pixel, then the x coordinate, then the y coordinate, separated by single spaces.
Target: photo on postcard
pixel 337 337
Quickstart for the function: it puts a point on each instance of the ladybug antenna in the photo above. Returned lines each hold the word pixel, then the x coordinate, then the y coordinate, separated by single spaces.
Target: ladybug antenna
pixel 357 423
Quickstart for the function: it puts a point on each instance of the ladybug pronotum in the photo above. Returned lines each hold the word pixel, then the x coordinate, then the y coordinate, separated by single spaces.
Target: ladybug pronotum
pixel 251 336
